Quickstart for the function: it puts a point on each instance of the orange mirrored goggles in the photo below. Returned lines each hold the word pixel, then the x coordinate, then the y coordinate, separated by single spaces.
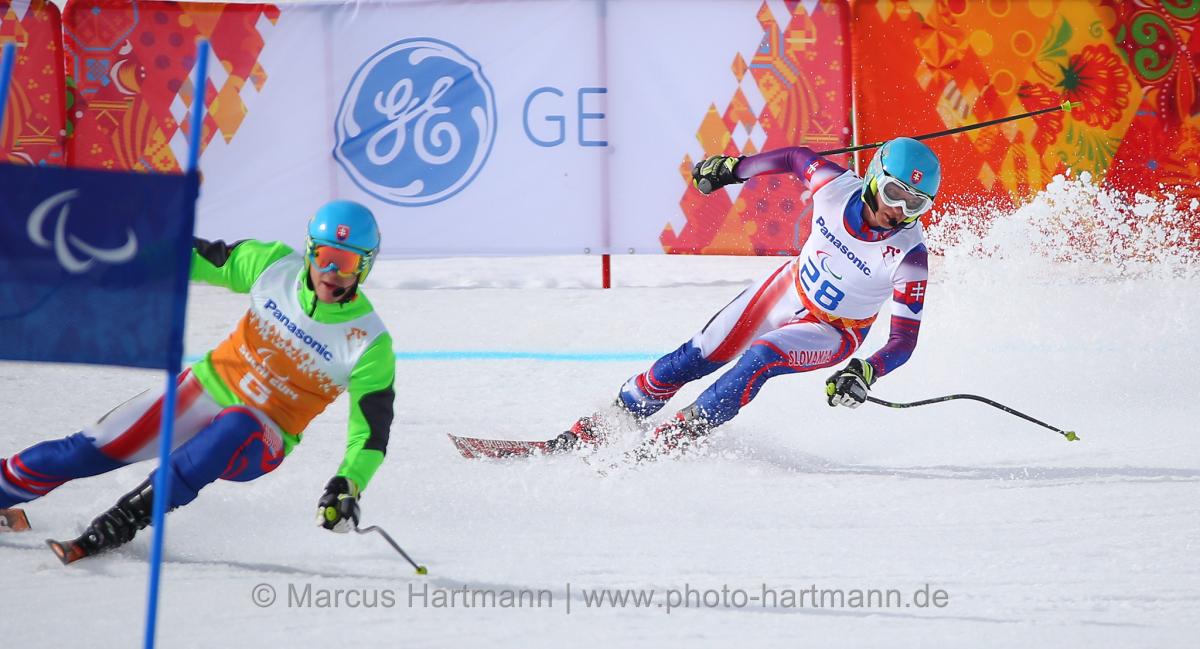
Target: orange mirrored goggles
pixel 347 263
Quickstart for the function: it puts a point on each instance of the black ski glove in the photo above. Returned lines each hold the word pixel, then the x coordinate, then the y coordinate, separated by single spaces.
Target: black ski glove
pixel 850 385
pixel 713 173
pixel 337 510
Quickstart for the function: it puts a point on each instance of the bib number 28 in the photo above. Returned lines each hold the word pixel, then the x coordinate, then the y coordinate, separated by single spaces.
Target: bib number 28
pixel 827 296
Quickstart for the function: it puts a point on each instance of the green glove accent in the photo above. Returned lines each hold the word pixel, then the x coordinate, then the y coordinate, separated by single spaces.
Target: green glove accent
pixel 338 510
pixel 850 385
pixel 714 173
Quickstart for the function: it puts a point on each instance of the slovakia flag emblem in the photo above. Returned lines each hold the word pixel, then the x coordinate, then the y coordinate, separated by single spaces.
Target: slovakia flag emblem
pixel 913 296
pixel 813 166
pixel 343 231
pixel 917 176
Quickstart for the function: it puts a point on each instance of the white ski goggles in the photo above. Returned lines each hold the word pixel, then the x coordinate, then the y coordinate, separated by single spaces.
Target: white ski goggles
pixel 895 193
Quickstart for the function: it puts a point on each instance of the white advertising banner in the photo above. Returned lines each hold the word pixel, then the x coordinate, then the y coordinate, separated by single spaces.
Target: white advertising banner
pixel 490 127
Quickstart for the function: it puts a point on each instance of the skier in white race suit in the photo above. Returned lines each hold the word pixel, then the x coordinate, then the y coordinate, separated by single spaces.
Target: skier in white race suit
pixel 867 247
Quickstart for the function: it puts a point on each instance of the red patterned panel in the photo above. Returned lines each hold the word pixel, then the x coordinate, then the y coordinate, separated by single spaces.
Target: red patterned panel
pixel 793 89
pixel 129 67
pixel 917 74
pixel 34 126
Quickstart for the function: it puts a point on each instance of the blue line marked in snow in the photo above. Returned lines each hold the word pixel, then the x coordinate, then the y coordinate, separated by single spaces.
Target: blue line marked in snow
pixel 499 355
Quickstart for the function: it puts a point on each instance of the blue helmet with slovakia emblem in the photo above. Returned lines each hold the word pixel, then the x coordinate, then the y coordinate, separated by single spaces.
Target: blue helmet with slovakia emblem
pixel 346 226
pixel 911 163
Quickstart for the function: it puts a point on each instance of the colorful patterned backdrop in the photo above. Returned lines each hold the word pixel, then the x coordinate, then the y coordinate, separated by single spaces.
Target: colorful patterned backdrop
pixel 794 87
pixel 928 65
pixel 918 66
pixel 33 128
pixel 1160 43
pixel 129 74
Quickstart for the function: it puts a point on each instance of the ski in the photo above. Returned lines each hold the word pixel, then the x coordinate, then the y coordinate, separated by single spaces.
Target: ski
pixel 476 448
pixel 13 520
pixel 68 552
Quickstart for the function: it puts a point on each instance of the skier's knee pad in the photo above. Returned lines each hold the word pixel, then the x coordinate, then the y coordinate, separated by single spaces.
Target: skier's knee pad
pixel 254 448
pixel 237 445
pixel 203 458
pixel 737 387
pixel 234 425
pixel 757 364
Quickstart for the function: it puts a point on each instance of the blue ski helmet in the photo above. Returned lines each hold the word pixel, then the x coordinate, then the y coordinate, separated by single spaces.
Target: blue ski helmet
pixel 346 225
pixel 906 160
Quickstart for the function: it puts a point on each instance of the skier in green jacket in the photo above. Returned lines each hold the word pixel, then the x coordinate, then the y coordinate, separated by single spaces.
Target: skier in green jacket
pixel 309 335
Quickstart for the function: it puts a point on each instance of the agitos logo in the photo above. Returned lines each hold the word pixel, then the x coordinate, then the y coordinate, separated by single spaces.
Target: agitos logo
pixel 824 257
pixel 858 262
pixel 74 254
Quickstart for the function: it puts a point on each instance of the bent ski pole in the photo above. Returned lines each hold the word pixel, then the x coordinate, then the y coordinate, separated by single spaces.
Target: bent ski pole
pixel 1066 107
pixel 1069 434
pixel 421 570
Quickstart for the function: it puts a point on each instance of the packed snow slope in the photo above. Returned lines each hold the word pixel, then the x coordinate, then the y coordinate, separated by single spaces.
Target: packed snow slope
pixel 1028 538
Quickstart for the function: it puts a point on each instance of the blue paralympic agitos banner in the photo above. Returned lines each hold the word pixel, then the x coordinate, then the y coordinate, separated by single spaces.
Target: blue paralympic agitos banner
pixel 94 265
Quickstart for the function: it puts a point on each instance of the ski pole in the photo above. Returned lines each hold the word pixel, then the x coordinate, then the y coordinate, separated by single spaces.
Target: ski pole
pixel 1069 434
pixel 8 56
pixel 421 570
pixel 1066 107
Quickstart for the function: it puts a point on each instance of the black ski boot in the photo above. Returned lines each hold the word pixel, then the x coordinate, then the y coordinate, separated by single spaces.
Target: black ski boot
pixel 585 433
pixel 593 431
pixel 683 434
pixel 112 529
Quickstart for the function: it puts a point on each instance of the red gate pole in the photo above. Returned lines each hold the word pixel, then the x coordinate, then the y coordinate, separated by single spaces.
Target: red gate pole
pixel 606 271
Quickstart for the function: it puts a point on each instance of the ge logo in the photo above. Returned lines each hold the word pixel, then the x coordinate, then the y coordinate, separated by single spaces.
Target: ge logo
pixel 74 254
pixel 417 123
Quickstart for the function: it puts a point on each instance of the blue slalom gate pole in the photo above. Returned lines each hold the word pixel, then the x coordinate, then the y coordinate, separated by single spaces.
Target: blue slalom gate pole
pixel 162 483
pixel 7 58
pixel 193 160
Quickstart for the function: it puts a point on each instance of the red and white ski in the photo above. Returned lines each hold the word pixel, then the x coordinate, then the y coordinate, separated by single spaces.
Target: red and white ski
pixel 13 520
pixel 476 448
